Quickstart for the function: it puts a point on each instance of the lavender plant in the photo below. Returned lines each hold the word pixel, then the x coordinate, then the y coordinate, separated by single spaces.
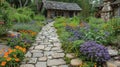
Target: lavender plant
pixel 95 52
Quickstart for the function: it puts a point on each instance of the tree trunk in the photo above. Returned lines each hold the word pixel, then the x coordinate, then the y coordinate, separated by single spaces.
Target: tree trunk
pixel 20 2
pixel 36 2
pixel 26 2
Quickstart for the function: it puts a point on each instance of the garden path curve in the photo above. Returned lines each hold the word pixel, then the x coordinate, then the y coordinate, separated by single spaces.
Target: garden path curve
pixel 46 51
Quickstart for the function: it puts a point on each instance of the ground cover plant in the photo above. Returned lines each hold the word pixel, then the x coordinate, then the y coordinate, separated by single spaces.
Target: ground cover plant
pixel 75 34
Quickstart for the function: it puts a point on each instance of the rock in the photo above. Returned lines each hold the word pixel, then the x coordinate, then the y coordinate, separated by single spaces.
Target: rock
pixel 55 48
pixel 60 51
pixel 55 62
pixel 50 45
pixel 42 59
pixel 58 55
pixel 31 48
pixel 40 47
pixel 112 52
pixel 13 34
pixel 45 43
pixel 117 63
pixel 27 65
pixel 63 66
pixel 48 53
pixel 47 48
pixel 57 44
pixel 76 62
pixel 34 44
pixel 70 55
pixel 37 55
pixel 28 54
pixel 35 51
pixel 111 64
pixel 32 60
pixel 54 66
pixel 49 57
pixel 41 64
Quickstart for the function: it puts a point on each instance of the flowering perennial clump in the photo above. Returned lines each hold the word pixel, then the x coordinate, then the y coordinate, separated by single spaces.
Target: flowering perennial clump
pixel 12 56
pixel 94 51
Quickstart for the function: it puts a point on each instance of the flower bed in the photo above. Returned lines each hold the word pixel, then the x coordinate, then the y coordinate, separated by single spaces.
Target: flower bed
pixel 19 44
pixel 75 34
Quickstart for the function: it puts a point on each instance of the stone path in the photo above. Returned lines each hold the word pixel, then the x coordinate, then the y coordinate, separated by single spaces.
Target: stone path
pixel 46 51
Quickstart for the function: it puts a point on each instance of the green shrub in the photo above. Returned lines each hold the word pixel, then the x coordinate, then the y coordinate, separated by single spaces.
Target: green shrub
pixel 26 11
pixel 21 14
pixel 39 18
pixel 4 18
pixel 26 26
pixel 114 26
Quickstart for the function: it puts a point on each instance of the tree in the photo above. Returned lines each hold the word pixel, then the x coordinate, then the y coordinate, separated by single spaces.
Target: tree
pixel 19 3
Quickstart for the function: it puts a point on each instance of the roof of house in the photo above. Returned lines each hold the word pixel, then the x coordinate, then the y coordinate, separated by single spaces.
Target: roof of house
pixel 61 6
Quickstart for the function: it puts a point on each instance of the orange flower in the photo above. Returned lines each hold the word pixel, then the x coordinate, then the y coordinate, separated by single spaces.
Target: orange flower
pixel 20 48
pixel 10 51
pixel 12 35
pixel 6 54
pixel 24 50
pixel 8 59
pixel 16 47
pixel 17 59
pixel 14 56
pixel 3 63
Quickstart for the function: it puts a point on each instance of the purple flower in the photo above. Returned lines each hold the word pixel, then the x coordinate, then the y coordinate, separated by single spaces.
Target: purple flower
pixel 95 51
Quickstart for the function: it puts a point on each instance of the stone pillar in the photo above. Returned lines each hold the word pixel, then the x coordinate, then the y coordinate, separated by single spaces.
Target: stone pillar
pixel 106 11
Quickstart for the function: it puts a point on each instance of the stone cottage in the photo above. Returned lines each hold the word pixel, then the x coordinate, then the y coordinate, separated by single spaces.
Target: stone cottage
pixel 53 9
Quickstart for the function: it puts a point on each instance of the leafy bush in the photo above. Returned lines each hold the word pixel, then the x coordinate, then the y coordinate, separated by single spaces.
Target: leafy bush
pixel 26 11
pixel 39 18
pixel 21 15
pixel 4 18
pixel 22 40
pixel 114 26
pixel 94 52
pixel 27 26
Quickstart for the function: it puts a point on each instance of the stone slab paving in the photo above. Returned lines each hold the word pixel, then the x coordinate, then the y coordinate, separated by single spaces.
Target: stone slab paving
pixel 46 51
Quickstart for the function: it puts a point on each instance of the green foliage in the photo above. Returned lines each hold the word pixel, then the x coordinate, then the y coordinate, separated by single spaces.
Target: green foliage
pixel 114 26
pixel 39 17
pixel 27 26
pixel 4 18
pixel 26 11
pixel 24 41
pixel 21 14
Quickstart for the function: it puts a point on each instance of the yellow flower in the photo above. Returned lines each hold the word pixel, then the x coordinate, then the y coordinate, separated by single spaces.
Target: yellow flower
pixel 3 63
pixel 24 50
pixel 14 50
